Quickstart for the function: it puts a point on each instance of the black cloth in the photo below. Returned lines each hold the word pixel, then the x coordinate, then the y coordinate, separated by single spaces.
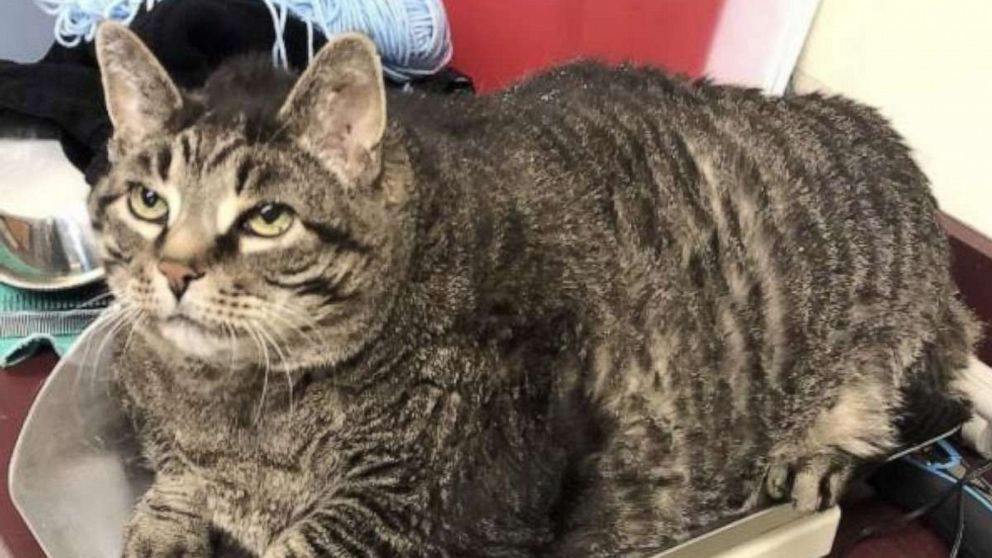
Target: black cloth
pixel 190 37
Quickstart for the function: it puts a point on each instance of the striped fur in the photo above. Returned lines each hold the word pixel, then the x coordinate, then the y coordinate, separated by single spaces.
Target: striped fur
pixel 590 316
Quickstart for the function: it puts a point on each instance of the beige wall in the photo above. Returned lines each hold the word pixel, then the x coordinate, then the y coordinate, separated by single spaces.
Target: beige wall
pixel 928 65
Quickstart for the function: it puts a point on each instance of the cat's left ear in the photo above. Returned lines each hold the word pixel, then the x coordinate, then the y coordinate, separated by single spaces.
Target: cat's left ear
pixel 337 109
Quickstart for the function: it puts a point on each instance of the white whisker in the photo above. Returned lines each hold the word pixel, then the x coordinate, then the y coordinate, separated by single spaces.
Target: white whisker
pixel 282 356
pixel 274 312
pixel 87 305
pixel 138 320
pixel 117 316
pixel 109 316
pixel 92 363
pixel 232 348
pixel 265 380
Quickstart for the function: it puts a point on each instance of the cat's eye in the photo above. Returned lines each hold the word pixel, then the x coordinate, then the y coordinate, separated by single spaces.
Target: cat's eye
pixel 269 220
pixel 147 205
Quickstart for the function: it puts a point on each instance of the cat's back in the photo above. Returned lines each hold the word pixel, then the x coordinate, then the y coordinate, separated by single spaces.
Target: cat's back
pixel 816 192
pixel 584 117
pixel 808 210
pixel 827 173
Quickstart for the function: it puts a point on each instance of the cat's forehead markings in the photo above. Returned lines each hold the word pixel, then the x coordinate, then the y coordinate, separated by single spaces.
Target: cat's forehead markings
pixel 223 152
pixel 164 162
pixel 185 141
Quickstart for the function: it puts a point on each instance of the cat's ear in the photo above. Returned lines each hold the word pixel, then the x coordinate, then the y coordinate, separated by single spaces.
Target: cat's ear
pixel 139 94
pixel 337 109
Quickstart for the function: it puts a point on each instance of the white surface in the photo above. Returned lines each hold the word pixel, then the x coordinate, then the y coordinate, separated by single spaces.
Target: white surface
pixel 976 382
pixel 809 537
pixel 757 42
pixel 777 532
pixel 927 65
pixel 36 179
pixel 977 435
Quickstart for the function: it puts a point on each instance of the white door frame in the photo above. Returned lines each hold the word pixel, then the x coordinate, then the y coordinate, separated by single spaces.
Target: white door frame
pixel 757 42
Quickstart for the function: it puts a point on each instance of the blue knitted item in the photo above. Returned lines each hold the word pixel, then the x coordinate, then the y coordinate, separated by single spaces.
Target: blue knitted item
pixel 412 35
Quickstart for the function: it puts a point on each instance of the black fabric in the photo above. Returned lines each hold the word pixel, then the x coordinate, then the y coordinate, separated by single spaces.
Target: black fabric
pixel 927 412
pixel 189 37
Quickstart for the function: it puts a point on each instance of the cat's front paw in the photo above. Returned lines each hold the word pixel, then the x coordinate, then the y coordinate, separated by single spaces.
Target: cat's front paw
pixel 812 483
pixel 149 537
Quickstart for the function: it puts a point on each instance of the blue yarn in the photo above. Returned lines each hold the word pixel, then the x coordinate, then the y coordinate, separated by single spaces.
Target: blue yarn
pixel 76 20
pixel 412 35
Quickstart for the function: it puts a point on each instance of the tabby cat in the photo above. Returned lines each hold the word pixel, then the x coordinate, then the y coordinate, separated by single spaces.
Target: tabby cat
pixel 593 315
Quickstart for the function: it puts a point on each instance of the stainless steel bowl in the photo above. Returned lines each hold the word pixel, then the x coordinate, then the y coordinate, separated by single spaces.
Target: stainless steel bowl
pixel 49 253
pixel 46 240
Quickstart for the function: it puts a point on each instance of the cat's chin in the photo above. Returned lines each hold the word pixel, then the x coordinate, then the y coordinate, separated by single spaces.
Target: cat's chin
pixel 190 338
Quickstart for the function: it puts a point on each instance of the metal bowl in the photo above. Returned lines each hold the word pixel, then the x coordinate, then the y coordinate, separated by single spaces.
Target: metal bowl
pixel 49 253
pixel 46 239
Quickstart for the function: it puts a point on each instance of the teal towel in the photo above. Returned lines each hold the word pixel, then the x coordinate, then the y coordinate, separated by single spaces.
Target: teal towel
pixel 32 319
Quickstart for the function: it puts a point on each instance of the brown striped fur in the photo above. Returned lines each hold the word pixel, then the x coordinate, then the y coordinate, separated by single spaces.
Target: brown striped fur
pixel 589 316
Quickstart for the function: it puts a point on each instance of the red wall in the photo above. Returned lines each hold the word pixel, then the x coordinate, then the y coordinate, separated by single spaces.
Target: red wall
pixel 497 41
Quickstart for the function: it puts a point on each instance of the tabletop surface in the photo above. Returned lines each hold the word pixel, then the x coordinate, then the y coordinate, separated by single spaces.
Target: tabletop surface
pixel 18 386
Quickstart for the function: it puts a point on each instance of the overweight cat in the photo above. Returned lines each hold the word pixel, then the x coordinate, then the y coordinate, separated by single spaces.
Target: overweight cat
pixel 590 316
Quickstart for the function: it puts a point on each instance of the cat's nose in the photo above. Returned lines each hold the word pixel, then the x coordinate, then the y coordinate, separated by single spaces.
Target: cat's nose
pixel 178 275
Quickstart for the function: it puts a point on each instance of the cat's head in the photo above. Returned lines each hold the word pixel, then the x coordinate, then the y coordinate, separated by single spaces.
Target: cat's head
pixel 236 233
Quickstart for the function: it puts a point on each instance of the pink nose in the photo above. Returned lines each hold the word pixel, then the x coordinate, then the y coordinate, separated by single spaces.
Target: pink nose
pixel 178 275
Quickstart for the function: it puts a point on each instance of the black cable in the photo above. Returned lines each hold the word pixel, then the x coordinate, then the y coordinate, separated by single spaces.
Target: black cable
pixel 957 488
pixel 959 534
pixel 970 476
pixel 962 484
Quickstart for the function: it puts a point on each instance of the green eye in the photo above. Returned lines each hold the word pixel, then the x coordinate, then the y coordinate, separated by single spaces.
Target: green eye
pixel 270 220
pixel 146 205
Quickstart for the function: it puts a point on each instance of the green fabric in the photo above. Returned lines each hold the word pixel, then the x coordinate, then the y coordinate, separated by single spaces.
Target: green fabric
pixel 30 320
pixel 14 350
